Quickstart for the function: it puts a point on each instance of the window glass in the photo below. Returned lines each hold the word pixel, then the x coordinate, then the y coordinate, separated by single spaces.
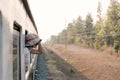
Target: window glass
pixel 16 52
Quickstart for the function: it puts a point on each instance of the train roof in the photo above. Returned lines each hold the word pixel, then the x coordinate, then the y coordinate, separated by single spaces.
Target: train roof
pixel 25 3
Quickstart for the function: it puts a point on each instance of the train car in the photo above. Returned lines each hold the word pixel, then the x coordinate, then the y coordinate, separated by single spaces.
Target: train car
pixel 16 21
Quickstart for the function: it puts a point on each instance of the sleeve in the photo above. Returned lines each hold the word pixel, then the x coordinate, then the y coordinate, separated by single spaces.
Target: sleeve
pixel 27 57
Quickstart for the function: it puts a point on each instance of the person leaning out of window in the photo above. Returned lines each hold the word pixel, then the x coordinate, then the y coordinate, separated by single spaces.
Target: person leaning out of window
pixel 31 42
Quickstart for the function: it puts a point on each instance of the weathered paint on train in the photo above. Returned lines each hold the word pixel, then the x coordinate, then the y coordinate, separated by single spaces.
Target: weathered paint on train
pixel 13 12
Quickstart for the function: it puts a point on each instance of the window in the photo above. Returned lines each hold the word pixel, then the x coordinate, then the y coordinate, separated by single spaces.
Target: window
pixel 26 32
pixel 16 53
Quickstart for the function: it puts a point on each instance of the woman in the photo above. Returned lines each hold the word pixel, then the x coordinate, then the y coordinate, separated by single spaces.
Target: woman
pixel 31 42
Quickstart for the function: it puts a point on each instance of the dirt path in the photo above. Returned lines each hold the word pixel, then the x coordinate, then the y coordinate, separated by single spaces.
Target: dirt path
pixel 91 63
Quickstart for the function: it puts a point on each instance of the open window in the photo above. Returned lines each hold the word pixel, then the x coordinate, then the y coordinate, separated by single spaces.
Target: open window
pixel 26 32
pixel 16 52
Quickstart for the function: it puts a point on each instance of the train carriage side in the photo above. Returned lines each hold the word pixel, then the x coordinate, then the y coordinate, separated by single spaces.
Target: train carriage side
pixel 15 22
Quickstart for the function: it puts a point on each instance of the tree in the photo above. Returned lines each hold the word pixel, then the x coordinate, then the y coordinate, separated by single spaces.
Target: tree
pixel 113 22
pixel 71 33
pixel 79 29
pixel 100 40
pixel 88 29
pixel 89 23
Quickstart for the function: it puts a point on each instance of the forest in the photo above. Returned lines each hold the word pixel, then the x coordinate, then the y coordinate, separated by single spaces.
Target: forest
pixel 103 33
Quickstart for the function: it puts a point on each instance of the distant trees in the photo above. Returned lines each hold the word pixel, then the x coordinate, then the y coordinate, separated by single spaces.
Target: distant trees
pixel 104 32
pixel 99 28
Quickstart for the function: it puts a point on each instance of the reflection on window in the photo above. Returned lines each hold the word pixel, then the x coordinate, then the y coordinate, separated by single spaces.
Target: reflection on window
pixel 16 44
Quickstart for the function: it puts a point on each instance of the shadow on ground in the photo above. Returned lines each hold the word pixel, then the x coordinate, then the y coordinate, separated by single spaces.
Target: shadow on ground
pixel 66 70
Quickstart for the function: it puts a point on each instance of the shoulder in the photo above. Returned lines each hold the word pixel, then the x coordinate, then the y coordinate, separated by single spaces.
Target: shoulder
pixel 26 50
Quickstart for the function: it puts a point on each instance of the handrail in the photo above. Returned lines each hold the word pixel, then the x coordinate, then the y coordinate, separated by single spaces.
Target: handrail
pixel 27 75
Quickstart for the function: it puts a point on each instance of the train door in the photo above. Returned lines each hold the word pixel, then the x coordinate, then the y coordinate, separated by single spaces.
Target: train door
pixel 16 52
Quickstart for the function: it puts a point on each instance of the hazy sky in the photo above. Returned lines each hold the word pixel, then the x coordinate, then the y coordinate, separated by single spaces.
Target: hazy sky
pixel 51 15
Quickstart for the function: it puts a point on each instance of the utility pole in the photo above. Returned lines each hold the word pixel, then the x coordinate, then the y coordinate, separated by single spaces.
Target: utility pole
pixel 65 35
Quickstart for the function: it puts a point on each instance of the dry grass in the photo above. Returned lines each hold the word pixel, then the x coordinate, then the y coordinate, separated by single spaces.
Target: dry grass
pixel 94 64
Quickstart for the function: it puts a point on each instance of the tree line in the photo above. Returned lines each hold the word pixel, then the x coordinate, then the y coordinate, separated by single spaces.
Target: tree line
pixel 105 32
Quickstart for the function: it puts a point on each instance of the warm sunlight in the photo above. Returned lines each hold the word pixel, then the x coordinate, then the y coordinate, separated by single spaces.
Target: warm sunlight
pixel 50 15
pixel 59 39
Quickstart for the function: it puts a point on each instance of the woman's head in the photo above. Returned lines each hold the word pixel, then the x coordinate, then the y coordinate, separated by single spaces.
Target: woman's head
pixel 31 40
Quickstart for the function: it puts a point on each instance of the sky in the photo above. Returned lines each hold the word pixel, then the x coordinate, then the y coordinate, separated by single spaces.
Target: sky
pixel 52 16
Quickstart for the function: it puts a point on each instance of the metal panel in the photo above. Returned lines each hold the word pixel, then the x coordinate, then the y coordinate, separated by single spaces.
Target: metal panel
pixel 0 45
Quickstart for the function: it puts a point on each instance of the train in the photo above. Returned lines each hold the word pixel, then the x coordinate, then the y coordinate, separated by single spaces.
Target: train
pixel 16 21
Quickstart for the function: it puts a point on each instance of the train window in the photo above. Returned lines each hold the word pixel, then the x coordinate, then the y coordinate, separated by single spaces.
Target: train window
pixel 26 32
pixel 16 53
pixel 31 56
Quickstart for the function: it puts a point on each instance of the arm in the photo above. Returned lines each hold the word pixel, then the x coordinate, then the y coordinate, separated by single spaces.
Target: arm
pixel 37 51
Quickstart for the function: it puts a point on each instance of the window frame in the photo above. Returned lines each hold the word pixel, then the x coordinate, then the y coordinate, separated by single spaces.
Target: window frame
pixel 18 28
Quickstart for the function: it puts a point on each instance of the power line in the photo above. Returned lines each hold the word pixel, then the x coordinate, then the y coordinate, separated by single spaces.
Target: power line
pixel 96 36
